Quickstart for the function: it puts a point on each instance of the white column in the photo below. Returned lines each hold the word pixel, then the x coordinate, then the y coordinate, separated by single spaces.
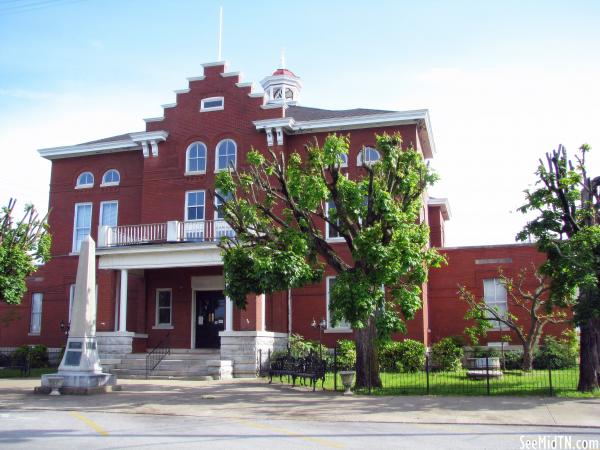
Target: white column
pixel 123 302
pixel 263 316
pixel 228 314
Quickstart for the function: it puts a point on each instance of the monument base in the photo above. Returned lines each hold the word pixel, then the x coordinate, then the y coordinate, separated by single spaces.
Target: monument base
pixel 80 383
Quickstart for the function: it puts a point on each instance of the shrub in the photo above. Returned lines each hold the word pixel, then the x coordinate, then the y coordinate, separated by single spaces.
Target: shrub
pixel 555 354
pixel 485 352
pixel 38 355
pixel 446 355
pixel 346 354
pixel 405 356
pixel 513 360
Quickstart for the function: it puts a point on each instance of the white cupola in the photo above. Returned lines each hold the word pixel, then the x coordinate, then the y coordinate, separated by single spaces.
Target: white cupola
pixel 283 87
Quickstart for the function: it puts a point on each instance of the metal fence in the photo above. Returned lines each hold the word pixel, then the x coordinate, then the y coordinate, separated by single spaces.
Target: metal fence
pixel 20 361
pixel 482 377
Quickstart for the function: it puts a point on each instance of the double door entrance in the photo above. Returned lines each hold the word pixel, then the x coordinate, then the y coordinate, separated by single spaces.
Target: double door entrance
pixel 210 318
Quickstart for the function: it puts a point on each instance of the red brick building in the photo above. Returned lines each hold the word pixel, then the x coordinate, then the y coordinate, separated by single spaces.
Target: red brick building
pixel 145 198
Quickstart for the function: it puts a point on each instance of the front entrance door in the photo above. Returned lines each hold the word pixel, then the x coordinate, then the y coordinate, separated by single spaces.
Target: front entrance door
pixel 210 318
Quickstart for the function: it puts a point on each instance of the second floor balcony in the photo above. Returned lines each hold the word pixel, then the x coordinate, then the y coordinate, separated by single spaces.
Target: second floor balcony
pixel 210 231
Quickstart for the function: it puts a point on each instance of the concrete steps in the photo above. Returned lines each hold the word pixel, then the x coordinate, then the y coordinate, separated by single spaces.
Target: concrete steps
pixel 179 364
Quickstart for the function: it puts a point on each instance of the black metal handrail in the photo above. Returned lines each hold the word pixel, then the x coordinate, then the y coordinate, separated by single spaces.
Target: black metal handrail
pixel 157 354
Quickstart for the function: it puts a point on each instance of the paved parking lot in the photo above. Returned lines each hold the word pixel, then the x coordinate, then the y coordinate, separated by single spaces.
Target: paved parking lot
pixel 252 414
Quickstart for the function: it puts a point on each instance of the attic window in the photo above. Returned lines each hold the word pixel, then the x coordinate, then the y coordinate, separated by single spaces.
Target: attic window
pixel 212 104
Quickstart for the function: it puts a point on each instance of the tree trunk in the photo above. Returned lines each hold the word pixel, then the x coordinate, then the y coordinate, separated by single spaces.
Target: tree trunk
pixel 528 356
pixel 589 364
pixel 367 362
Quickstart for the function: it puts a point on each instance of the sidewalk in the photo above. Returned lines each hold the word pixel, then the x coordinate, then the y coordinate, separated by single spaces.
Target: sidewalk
pixel 257 399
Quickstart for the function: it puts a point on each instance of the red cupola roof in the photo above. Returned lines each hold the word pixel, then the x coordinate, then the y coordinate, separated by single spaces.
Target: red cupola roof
pixel 284 72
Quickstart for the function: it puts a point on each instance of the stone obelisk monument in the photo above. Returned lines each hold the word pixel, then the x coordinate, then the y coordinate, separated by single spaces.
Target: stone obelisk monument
pixel 80 368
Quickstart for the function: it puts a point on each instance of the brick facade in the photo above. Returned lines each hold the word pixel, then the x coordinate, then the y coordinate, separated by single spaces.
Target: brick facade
pixel 152 190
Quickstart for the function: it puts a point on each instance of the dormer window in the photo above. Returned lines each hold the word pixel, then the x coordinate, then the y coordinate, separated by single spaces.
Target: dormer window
pixel 111 178
pixel 212 104
pixel 371 156
pixel 85 180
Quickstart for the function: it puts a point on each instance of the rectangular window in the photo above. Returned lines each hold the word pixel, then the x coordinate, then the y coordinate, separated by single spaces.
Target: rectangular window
pixel 108 213
pixel 164 308
pixel 222 228
pixel 194 205
pixel 330 232
pixel 35 326
pixel 82 224
pixel 342 325
pixel 212 104
pixel 494 294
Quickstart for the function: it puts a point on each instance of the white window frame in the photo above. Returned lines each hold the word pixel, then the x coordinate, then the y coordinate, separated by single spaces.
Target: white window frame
pixel 330 328
pixel 496 325
pixel 102 205
pixel 163 326
pixel 217 169
pixel 75 249
pixel 79 185
pixel 188 171
pixel 110 183
pixel 359 161
pixel 344 157
pixel 35 317
pixel 187 219
pixel 204 108
pixel 327 227
pixel 222 228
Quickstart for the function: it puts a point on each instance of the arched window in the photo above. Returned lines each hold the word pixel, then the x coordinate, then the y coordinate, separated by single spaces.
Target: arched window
pixel 344 158
pixel 370 154
pixel 85 180
pixel 111 178
pixel 195 158
pixel 226 154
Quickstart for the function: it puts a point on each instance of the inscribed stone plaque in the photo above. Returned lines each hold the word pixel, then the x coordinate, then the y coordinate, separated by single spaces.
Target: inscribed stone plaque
pixel 73 358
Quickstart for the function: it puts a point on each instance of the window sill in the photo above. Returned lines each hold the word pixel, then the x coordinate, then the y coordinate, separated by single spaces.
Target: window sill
pixel 109 184
pixel 191 174
pixel 163 327
pixel 84 186
pixel 338 330
pixel 218 108
pixel 33 334
pixel 336 239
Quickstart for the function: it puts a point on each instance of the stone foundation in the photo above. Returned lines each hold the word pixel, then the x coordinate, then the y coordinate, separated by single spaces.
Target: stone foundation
pixel 247 349
pixel 220 369
pixel 114 344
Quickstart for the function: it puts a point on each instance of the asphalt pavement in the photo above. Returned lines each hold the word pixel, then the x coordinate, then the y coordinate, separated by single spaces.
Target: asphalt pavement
pixel 253 414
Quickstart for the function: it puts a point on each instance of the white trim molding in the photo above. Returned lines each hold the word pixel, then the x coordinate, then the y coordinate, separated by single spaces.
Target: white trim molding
pixel 419 117
pixel 443 203
pixel 134 141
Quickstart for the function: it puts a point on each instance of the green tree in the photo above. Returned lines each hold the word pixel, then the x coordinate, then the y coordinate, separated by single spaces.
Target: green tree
pixel 23 243
pixel 533 303
pixel 567 228
pixel 278 208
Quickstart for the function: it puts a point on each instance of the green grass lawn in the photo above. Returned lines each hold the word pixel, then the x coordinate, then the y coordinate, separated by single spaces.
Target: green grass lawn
pixel 536 382
pixel 16 373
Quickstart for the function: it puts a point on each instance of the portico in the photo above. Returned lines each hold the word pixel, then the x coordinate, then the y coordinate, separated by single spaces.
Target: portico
pixel 176 291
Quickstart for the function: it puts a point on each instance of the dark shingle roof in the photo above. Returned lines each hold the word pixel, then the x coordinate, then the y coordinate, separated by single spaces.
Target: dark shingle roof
pixel 119 137
pixel 303 113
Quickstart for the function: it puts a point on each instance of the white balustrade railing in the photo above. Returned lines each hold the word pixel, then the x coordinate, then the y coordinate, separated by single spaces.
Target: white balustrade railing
pixel 173 231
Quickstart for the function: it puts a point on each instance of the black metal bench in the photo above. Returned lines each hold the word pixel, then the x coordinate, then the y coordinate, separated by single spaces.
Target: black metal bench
pixel 16 362
pixel 310 368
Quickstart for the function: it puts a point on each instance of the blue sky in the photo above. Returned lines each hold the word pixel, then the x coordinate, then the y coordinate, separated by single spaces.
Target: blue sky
pixel 504 81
